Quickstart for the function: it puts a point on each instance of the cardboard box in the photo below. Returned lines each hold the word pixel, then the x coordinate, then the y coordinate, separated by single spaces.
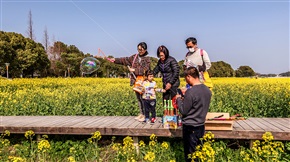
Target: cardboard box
pixel 170 122
pixel 218 124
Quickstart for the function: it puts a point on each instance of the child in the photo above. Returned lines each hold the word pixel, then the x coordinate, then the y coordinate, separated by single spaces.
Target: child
pixel 149 97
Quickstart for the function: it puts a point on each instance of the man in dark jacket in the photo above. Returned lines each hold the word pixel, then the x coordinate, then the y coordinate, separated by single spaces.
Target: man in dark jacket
pixel 193 108
pixel 169 69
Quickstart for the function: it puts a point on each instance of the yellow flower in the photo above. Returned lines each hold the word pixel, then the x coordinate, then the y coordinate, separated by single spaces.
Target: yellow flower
pixel 142 144
pixel 267 136
pixel 164 145
pixel 96 135
pixel 116 146
pixel 152 143
pixel 6 133
pixel 72 150
pixel 43 145
pixel 153 137
pixel 71 159
pixel 208 136
pixel 45 136
pixel 16 159
pixel 5 142
pixel 29 134
pixel 150 156
pixel 128 142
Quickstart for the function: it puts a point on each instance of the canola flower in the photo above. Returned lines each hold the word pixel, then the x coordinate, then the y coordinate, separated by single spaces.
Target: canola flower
pixel 116 146
pixel 150 156
pixel 125 151
pixel 142 143
pixel 209 136
pixel 205 151
pixel 43 146
pixel 77 96
pixel 71 159
pixel 95 137
pixel 5 142
pixel 128 142
pixel 153 137
pixel 72 150
pixel 16 159
pixel 29 134
pixel 267 137
pixel 6 133
pixel 153 140
pixel 164 145
pixel 266 150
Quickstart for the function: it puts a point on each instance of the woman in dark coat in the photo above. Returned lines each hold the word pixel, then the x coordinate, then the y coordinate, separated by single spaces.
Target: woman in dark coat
pixel 169 69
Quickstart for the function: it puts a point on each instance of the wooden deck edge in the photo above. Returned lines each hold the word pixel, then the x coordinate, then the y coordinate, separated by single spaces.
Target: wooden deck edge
pixel 218 134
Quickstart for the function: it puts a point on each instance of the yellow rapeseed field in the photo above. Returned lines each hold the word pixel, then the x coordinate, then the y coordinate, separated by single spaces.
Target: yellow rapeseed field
pixel 268 97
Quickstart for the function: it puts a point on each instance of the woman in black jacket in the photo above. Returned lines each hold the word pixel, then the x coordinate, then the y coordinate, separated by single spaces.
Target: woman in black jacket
pixel 169 69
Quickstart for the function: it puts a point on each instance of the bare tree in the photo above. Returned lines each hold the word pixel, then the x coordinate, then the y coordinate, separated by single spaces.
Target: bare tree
pixel 30 28
pixel 45 39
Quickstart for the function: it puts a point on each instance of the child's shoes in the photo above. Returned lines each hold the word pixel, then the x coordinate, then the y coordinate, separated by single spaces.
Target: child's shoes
pixel 153 120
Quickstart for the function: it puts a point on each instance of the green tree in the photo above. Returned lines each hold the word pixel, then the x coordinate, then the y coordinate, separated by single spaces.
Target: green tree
pixel 7 53
pixel 24 55
pixel 153 62
pixel 181 72
pixel 65 58
pixel 221 69
pixel 285 74
pixel 244 71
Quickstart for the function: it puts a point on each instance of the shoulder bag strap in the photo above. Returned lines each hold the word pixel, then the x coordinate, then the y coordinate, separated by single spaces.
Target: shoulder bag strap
pixel 201 54
pixel 134 59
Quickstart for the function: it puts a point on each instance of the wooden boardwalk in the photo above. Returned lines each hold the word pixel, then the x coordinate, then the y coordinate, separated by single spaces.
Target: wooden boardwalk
pixel 252 128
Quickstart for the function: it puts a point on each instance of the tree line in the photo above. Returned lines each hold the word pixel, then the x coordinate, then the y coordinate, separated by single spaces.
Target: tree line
pixel 28 58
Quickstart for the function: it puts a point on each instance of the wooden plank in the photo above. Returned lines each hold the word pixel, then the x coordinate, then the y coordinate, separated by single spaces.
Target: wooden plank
pixel 287 120
pixel 253 124
pixel 14 120
pixel 123 122
pixel 276 124
pixel 237 126
pixel 146 125
pixel 129 122
pixel 244 125
pixel 210 115
pixel 101 122
pixel 218 125
pixel 282 121
pixel 267 126
pixel 115 121
pixel 135 124
pixel 107 120
pixel 53 121
pixel 158 123
pixel 85 120
pixel 6 119
pixel 96 121
pixel 26 122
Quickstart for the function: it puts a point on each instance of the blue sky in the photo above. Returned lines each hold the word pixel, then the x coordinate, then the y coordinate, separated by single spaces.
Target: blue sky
pixel 253 33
